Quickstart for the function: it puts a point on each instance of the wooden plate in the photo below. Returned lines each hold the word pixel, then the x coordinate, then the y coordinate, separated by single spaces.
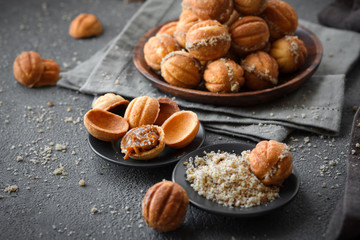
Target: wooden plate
pixel 287 82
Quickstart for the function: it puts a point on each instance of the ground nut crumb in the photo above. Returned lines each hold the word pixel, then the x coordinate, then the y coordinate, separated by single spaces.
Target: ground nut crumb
pixel 82 182
pixel 11 188
pixel 226 178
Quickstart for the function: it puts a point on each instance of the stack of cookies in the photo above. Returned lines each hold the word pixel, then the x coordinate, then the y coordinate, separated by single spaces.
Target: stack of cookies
pixel 227 45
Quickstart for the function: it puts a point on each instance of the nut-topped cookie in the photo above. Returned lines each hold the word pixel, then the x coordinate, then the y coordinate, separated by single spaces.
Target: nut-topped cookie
pixel 261 71
pixel 208 40
pixel 223 76
pixel 271 162
pixel 181 69
pixel 290 53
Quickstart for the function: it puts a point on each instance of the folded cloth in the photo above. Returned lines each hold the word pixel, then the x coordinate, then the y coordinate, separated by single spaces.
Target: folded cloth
pixel 345 221
pixel 344 14
pixel 315 107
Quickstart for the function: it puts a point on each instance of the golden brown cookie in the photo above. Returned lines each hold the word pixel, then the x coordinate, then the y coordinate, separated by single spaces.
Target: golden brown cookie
pixel 281 18
pixel 208 40
pixel 143 143
pixel 181 69
pixel 271 162
pixel 168 28
pixel 142 110
pixel 223 76
pixel 186 21
pixel 219 10
pixel 28 68
pixel 50 75
pixel 250 7
pixel 290 53
pixel 157 47
pixel 164 206
pixel 260 70
pixel 85 25
pixel 249 34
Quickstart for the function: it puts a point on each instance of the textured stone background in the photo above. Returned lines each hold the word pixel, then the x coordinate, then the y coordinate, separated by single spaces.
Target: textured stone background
pixel 52 206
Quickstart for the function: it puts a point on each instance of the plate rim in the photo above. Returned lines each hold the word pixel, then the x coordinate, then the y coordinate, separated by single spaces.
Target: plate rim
pixel 290 85
pixel 245 214
pixel 142 163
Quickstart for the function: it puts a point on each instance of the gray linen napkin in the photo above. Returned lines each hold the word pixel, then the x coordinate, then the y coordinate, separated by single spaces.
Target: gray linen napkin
pixel 315 107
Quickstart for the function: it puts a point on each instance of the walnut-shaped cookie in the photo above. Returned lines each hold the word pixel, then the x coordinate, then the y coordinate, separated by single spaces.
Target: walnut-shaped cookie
pixel 85 25
pixel 168 28
pixel 219 10
pixel 142 110
pixel 208 40
pixel 250 7
pixel 260 71
pixel 164 206
pixel 281 18
pixel 249 34
pixel 181 69
pixel 28 68
pixel 143 143
pixel 223 76
pixel 186 21
pixel 157 47
pixel 50 75
pixel 271 162
pixel 290 53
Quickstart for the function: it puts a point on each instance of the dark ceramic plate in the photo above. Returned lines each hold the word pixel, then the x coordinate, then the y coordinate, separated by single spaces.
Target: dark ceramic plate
pixel 111 152
pixel 287 82
pixel 288 190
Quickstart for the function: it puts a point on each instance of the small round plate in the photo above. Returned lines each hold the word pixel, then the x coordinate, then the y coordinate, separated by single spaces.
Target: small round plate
pixel 111 152
pixel 287 82
pixel 288 190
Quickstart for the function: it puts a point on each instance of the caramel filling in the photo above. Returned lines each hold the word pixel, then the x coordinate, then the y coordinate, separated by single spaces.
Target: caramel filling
pixel 140 140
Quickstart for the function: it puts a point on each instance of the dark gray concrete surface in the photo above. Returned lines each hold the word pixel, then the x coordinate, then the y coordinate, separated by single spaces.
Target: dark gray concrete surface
pixel 52 206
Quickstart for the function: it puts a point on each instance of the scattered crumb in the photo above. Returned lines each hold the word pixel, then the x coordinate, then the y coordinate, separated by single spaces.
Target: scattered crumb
pixel 11 188
pixel 82 182
pixel 94 210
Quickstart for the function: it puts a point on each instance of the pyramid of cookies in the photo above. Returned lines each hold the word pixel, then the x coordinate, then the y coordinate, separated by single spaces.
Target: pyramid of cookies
pixel 227 46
